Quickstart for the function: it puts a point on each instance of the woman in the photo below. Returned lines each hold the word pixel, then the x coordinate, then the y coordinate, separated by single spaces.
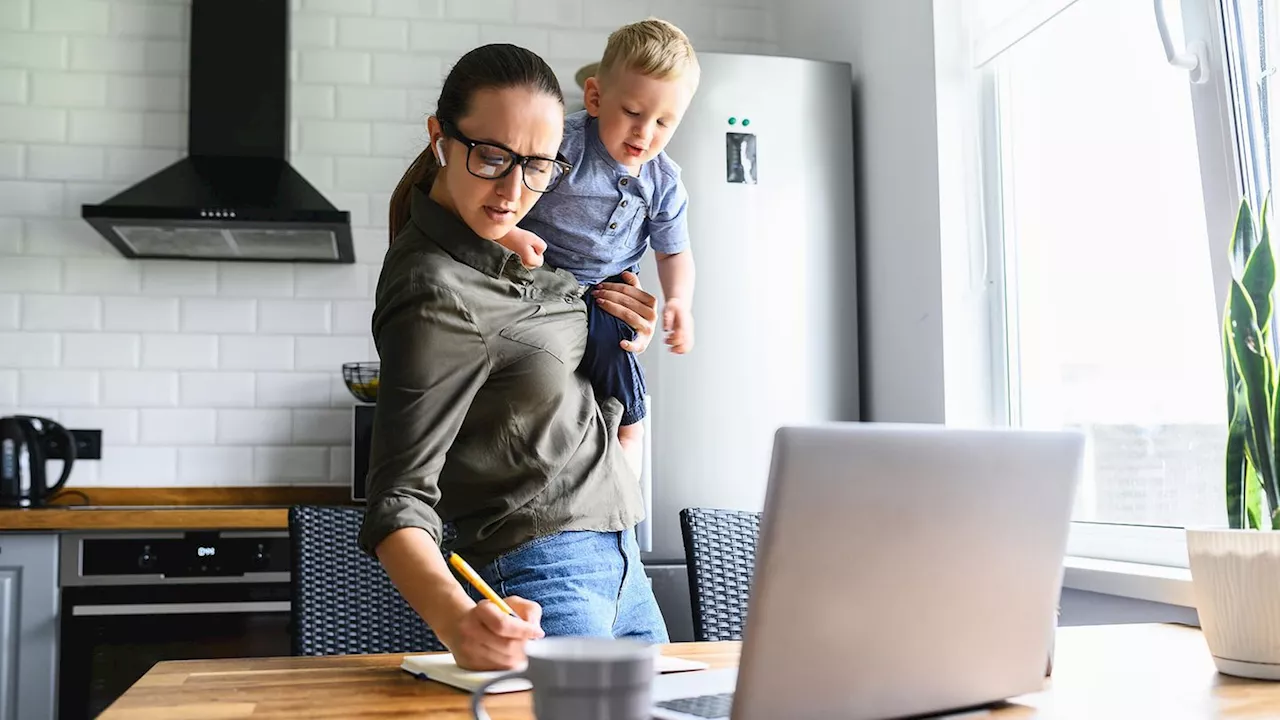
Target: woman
pixel 485 440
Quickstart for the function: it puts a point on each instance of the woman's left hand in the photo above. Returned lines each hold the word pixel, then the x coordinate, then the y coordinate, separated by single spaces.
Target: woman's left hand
pixel 633 306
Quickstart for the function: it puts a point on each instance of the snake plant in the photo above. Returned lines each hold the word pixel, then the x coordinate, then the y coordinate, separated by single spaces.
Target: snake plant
pixel 1249 359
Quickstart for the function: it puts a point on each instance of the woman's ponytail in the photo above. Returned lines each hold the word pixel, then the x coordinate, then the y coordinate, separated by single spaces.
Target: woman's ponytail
pixel 421 171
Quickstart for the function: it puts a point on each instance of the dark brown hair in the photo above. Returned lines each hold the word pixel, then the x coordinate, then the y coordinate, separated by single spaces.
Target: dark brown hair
pixel 488 67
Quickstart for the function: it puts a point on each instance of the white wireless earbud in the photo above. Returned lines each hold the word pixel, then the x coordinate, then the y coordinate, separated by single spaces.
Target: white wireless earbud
pixel 440 152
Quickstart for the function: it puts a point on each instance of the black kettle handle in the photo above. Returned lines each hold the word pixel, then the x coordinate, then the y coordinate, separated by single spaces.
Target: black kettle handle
pixel 68 456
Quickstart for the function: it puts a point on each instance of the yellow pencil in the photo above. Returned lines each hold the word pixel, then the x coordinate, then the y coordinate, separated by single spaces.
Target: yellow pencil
pixel 479 584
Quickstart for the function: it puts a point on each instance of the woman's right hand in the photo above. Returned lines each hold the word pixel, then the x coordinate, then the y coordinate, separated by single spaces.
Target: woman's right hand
pixel 480 636
pixel 485 638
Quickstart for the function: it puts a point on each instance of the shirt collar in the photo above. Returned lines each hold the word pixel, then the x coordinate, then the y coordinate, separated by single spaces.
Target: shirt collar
pixel 597 145
pixel 453 235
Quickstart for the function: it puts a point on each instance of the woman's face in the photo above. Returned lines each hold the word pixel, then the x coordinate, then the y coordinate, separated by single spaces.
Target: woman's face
pixel 525 121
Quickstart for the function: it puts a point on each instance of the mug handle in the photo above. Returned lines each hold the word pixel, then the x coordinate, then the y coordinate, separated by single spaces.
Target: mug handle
pixel 477 696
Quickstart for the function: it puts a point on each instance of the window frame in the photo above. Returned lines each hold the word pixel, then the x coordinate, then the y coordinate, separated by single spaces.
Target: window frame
pixel 1220 148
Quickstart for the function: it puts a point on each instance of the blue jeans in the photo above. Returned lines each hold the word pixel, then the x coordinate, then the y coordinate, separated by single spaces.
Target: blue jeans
pixel 588 584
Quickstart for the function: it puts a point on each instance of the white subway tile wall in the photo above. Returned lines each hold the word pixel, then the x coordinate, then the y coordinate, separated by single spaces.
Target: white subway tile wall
pixel 209 374
pixel 9 387
pixel 9 312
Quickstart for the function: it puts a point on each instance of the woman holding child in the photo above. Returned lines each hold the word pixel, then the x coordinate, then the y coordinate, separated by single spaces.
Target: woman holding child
pixel 486 438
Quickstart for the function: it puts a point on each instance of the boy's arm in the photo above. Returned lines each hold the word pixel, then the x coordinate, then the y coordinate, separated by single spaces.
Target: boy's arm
pixel 676 273
pixel 669 238
pixel 525 244
pixel 675 270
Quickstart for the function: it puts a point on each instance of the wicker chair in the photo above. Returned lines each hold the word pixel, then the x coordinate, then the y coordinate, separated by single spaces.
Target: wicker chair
pixel 343 601
pixel 720 549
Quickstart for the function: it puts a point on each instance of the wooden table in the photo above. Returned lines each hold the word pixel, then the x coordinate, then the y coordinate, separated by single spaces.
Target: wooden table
pixel 1114 671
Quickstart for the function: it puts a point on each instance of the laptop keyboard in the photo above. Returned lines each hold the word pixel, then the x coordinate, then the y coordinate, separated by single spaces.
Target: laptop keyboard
pixel 704 706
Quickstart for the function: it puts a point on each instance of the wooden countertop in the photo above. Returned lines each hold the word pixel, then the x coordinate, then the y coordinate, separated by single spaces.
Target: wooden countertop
pixel 171 508
pixel 1100 672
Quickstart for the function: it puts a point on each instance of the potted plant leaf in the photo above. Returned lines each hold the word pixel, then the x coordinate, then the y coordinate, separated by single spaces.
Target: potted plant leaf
pixel 1236 570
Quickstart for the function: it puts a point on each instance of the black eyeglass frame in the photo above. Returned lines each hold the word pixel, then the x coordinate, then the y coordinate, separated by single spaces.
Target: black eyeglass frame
pixel 450 130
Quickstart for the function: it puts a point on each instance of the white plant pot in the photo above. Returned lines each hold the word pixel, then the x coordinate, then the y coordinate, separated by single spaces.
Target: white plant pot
pixel 1235 575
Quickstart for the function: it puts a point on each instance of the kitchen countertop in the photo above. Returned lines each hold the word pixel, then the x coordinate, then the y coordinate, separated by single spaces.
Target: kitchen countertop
pixel 170 508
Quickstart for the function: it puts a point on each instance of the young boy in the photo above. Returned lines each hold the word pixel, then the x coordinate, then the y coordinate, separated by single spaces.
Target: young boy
pixel 622 196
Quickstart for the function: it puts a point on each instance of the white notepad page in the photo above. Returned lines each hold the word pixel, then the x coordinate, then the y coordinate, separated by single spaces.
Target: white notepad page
pixel 443 669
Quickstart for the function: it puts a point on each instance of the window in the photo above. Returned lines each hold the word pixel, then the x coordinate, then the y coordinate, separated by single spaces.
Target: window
pixel 1118 180
pixel 1252 32
pixel 1110 310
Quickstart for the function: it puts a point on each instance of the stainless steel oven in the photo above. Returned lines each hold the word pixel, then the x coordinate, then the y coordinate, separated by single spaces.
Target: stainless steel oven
pixel 130 600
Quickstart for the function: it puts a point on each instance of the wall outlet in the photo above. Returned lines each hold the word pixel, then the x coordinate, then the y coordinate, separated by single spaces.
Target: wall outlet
pixel 88 445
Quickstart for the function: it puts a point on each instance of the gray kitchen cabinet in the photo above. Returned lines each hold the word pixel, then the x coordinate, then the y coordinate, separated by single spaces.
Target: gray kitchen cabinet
pixel 28 625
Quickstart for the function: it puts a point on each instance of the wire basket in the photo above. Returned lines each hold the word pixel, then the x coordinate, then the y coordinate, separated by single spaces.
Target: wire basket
pixel 362 380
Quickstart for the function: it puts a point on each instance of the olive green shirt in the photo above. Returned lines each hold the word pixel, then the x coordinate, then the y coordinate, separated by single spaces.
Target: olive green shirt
pixel 483 435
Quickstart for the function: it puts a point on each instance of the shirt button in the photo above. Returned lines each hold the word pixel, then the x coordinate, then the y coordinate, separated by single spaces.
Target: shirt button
pixel 613 226
pixel 624 203
pixel 624 181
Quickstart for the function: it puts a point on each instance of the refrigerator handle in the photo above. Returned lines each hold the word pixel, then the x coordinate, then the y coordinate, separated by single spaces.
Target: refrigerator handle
pixel 644 531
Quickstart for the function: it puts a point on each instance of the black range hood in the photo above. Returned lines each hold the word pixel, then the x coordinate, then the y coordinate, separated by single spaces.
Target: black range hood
pixel 235 196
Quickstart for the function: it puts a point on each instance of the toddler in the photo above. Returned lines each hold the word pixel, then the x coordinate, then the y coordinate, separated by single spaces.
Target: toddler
pixel 623 196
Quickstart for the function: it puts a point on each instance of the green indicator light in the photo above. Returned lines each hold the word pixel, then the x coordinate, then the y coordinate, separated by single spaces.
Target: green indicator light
pixel 733 121
pixel 745 122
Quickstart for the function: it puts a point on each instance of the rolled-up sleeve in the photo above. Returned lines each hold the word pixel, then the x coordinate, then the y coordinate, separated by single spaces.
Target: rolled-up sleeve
pixel 433 361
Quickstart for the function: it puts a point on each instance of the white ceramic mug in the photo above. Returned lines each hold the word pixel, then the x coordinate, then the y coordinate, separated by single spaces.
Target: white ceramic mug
pixel 582 678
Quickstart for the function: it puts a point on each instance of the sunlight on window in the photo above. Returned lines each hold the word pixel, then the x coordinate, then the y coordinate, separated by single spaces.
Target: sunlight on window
pixel 1111 311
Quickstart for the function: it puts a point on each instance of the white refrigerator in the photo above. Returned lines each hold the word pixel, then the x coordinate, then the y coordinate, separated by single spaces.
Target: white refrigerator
pixel 767 154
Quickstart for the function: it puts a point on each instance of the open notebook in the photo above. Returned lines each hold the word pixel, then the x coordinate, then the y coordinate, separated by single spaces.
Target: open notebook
pixel 443 669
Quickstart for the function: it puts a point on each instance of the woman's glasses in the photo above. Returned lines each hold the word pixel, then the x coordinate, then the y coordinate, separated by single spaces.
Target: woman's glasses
pixel 490 161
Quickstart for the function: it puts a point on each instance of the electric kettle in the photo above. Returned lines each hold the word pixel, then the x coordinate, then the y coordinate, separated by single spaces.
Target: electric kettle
pixel 25 440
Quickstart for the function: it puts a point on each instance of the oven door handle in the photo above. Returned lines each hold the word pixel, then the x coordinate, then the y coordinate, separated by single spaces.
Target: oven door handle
pixel 190 608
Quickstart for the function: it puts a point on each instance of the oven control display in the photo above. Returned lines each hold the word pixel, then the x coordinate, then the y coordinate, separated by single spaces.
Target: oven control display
pixel 193 554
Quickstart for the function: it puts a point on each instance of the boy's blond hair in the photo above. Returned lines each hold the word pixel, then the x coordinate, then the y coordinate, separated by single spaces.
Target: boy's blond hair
pixel 652 47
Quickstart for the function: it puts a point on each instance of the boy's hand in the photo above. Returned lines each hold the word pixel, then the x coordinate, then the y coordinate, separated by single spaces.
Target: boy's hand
pixel 527 245
pixel 677 322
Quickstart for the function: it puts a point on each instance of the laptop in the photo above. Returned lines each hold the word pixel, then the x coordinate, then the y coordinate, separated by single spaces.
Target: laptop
pixel 901 571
